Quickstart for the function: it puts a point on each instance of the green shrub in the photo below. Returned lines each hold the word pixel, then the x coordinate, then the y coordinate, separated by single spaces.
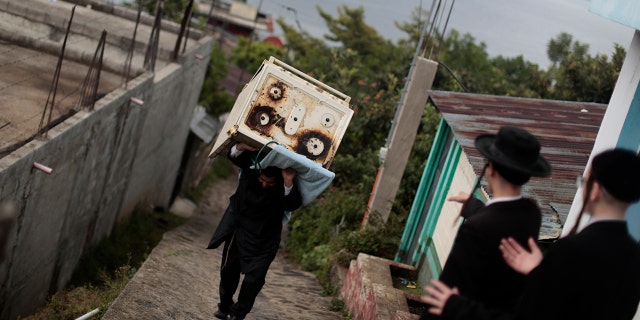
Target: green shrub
pixel 329 231
pixel 213 96
pixel 316 259
pixel 74 302
pixel 323 220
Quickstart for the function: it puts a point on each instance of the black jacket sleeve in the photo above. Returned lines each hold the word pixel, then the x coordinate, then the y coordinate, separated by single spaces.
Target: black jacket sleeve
pixel 471 207
pixel 244 160
pixel 293 200
pixel 462 308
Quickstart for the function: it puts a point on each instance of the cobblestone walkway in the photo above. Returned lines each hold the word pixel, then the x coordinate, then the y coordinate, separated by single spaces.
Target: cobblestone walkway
pixel 179 279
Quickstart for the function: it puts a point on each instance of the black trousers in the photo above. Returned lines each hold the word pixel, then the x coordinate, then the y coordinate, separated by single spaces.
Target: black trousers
pixel 230 278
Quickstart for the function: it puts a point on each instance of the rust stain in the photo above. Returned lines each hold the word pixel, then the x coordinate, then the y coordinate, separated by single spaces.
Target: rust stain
pixel 313 145
pixel 294 118
pixel 262 119
pixel 276 91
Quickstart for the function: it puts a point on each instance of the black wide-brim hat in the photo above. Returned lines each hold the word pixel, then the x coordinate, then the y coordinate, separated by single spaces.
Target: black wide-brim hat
pixel 516 149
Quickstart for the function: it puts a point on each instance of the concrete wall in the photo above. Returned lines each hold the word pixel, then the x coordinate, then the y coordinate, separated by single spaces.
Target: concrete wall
pixel 105 163
pixel 176 90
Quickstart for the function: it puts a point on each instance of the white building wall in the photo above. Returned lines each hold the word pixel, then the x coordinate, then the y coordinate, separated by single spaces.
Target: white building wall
pixel 447 227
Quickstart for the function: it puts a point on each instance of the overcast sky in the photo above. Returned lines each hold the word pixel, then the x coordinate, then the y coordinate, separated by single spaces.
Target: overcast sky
pixel 508 27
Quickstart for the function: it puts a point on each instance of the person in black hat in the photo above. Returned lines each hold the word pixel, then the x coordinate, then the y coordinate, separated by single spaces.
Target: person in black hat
pixel 475 266
pixel 251 229
pixel 593 274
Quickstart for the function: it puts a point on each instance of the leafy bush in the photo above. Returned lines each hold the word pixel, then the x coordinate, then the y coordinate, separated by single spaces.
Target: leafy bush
pixel 213 96
pixel 248 55
pixel 328 231
pixel 323 220
pixel 317 258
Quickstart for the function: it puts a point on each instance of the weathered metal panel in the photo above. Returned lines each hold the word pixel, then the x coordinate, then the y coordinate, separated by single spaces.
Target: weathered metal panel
pixel 283 105
pixel 566 131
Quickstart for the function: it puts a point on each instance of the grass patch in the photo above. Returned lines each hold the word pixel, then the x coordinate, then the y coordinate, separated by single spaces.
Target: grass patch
pixel 128 245
pixel 104 271
pixel 74 302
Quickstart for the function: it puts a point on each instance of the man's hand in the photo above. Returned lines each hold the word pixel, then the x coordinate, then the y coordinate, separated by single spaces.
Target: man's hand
pixel 518 258
pixel 287 175
pixel 460 197
pixel 439 294
pixel 245 147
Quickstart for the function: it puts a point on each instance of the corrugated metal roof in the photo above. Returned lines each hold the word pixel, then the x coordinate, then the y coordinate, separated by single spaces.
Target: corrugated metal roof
pixel 566 131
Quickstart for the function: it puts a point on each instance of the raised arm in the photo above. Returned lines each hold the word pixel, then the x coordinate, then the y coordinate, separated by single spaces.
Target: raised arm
pixel 472 204
pixel 242 155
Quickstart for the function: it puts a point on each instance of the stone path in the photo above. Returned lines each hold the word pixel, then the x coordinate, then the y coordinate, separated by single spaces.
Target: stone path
pixel 179 279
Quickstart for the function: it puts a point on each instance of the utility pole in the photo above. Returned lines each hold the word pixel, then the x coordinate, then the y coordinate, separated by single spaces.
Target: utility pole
pixel 394 156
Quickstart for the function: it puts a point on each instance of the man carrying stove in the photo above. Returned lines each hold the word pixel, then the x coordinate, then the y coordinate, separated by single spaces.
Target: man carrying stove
pixel 251 229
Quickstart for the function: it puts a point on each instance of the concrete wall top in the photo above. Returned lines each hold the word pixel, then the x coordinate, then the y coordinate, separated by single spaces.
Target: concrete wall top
pixel 35 31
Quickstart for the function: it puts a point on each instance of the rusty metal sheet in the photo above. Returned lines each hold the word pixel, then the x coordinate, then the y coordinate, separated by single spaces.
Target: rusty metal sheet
pixel 293 117
pixel 566 130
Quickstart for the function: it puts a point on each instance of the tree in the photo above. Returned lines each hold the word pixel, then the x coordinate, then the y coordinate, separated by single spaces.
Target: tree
pixel 519 78
pixel 587 78
pixel 413 28
pixel 350 29
pixel 213 97
pixel 466 65
pixel 469 64
pixel 563 46
pixel 379 55
pixel 310 54
pixel 579 76
pixel 369 69
pixel 248 55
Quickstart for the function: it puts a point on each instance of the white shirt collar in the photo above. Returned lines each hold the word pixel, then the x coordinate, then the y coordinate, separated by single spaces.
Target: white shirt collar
pixel 593 220
pixel 503 199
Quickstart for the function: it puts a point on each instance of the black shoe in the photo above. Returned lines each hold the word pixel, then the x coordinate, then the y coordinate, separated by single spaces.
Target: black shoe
pixel 236 318
pixel 220 314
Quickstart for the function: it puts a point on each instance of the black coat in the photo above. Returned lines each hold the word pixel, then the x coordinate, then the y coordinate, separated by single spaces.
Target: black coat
pixel 254 216
pixel 594 274
pixel 475 265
